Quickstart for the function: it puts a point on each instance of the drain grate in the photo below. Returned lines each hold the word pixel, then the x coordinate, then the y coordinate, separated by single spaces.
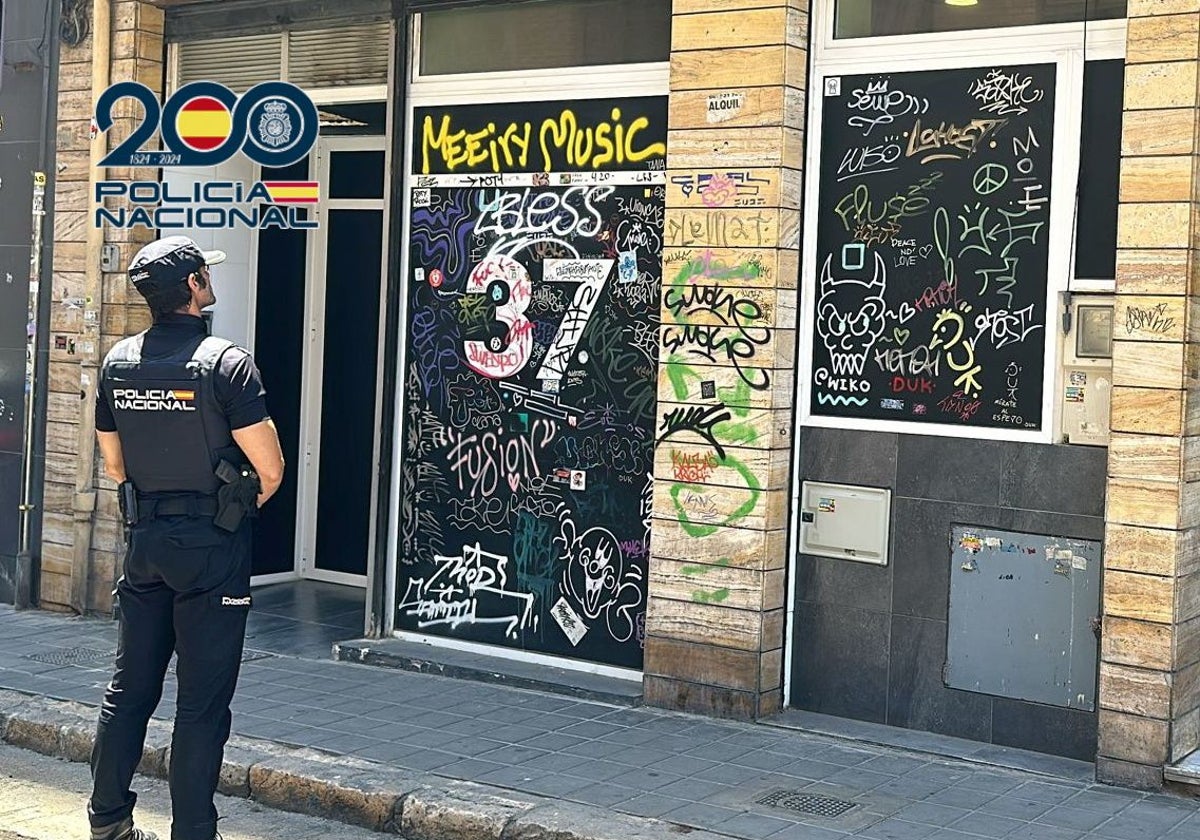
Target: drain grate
pixel 72 656
pixel 807 803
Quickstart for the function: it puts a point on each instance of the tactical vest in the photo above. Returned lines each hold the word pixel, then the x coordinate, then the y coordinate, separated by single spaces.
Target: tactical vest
pixel 167 414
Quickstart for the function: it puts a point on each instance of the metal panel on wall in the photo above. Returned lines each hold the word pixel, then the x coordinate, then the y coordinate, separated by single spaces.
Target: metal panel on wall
pixel 1021 613
pixel 535 261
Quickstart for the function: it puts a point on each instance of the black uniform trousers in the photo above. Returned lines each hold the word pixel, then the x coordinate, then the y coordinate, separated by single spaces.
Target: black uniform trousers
pixel 185 589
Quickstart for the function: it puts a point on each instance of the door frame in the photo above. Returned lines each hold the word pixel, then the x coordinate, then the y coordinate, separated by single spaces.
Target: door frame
pixel 565 84
pixel 312 364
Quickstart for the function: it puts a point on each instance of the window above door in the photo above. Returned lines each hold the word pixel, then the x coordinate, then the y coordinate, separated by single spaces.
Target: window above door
pixel 872 18
pixel 543 35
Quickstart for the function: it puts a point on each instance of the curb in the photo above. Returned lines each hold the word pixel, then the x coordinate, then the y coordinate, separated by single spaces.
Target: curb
pixel 389 800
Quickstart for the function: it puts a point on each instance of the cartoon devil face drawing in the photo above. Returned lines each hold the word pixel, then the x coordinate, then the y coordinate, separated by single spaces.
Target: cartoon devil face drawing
pixel 850 316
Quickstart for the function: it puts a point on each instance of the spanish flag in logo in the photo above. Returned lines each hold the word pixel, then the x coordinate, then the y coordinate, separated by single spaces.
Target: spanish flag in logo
pixel 204 123
pixel 184 395
pixel 293 192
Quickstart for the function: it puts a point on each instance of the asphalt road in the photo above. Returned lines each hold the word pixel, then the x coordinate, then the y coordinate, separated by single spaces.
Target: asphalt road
pixel 43 799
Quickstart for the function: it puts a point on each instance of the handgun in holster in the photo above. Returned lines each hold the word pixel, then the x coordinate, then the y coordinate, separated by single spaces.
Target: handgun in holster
pixel 127 502
pixel 238 496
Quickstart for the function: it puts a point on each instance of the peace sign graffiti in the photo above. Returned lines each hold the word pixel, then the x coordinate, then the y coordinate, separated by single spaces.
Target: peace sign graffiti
pixel 990 177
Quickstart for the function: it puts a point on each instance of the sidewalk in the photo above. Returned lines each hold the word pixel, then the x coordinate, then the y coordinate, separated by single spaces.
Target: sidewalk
pixel 39 800
pixel 546 766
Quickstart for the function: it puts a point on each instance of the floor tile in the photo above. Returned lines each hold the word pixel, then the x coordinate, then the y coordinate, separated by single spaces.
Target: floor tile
pixel 898 829
pixel 650 805
pixel 755 826
pixel 471 769
pixel 1039 831
pixel 1014 805
pixel 986 825
pixel 931 813
pixel 603 794
pixel 700 815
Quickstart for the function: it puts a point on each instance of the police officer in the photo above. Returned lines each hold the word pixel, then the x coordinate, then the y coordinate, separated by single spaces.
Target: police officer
pixel 183 427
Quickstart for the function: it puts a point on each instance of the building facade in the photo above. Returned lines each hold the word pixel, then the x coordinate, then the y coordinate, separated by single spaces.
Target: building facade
pixel 832 356
pixel 28 44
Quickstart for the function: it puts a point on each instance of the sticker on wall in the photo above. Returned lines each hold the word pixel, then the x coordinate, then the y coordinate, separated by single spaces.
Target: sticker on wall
pixel 708 389
pixel 569 620
pixel 970 543
pixel 825 505
pixel 833 86
pixel 422 197
pixel 1078 378
pixel 724 106
pixel 627 270
pixel 578 480
pixel 1074 394
pixel 419 275
pixel 436 278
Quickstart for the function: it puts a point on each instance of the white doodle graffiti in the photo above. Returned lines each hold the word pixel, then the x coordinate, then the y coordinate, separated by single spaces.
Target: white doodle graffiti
pixel 471 588
pixel 879 104
pixel 1006 93
pixel 598 578
pixel 850 313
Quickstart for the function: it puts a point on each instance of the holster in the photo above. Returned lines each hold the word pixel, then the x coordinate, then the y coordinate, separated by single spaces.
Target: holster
pixel 127 502
pixel 237 498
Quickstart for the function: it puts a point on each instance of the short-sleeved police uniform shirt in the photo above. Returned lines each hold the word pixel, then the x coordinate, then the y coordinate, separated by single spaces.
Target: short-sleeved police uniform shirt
pixel 236 380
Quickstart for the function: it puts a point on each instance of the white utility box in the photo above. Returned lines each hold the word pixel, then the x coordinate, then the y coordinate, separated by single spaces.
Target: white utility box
pixel 1087 372
pixel 848 523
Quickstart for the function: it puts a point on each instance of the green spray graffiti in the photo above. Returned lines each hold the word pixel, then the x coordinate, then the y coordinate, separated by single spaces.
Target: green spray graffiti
pixel 703 529
pixel 707 596
pixel 736 397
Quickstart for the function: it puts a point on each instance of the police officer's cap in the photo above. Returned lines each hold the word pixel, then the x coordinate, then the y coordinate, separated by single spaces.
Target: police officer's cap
pixel 168 261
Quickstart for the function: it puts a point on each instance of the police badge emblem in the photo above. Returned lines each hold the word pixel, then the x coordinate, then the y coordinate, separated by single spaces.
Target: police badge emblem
pixel 275 124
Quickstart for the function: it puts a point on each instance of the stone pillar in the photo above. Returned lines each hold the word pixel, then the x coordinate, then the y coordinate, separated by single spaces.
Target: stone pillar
pixel 1150 649
pixel 137 54
pixel 715 623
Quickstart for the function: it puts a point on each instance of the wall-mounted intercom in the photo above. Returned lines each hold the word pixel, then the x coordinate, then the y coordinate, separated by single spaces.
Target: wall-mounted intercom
pixel 1086 388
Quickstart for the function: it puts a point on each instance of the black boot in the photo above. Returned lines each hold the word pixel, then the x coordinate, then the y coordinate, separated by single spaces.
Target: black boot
pixel 123 830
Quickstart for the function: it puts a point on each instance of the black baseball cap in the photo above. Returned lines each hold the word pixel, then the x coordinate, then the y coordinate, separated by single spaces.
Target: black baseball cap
pixel 168 261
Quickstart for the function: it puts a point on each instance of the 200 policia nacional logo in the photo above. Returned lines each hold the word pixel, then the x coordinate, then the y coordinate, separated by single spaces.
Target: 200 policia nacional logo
pixel 274 124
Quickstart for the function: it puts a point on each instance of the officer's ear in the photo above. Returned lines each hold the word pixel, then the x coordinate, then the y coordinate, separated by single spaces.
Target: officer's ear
pixel 196 281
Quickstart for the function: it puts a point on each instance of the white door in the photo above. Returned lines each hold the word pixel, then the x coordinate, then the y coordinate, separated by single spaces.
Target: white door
pixel 337 472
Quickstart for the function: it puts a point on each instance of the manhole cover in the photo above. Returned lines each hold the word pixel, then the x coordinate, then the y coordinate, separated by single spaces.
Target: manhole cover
pixel 72 656
pixel 807 803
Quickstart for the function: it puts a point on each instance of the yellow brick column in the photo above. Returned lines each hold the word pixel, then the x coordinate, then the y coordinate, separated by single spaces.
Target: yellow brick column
pixel 715 623
pixel 1150 650
pixel 79 326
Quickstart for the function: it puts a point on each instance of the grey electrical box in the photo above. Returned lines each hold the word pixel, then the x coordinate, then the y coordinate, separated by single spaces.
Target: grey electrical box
pixel 1021 616
pixel 110 257
pixel 849 523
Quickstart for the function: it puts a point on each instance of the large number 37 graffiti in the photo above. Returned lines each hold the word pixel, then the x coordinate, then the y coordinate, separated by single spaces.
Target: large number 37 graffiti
pixel 506 282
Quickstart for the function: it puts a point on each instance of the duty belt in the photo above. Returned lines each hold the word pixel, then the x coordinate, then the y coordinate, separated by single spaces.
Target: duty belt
pixel 149 508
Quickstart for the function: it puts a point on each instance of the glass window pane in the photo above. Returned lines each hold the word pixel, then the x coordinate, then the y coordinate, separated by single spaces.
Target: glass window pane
pixel 863 18
pixel 356 174
pixel 540 35
pixel 1099 170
